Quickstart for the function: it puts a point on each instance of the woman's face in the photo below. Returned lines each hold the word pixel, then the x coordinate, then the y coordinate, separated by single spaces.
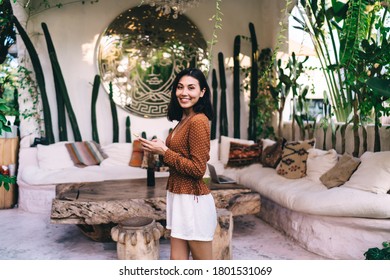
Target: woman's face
pixel 188 92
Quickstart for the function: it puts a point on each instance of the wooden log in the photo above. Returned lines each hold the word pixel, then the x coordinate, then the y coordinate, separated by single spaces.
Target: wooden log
pixel 114 201
pixel 222 242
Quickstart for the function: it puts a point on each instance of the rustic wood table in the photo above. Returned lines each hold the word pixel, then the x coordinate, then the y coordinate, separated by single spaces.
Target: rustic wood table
pixel 97 206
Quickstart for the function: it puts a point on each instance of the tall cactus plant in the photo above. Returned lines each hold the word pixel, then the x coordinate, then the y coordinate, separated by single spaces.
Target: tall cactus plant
pixel 236 86
pixel 114 113
pixel 214 84
pixel 62 129
pixel 223 121
pixel 253 83
pixel 128 130
pixel 40 80
pixel 95 92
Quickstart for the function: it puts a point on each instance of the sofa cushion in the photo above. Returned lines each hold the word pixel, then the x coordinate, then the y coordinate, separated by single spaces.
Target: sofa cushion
pixel 272 154
pixel 318 162
pixel 118 154
pixel 85 153
pixel 54 156
pixel 241 155
pixel 373 174
pixel 137 154
pixel 225 147
pixel 293 162
pixel 341 172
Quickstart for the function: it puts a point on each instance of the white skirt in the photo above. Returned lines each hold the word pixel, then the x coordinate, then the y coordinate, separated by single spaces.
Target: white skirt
pixel 191 217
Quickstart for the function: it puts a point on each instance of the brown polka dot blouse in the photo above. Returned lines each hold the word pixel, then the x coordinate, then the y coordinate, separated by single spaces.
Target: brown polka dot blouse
pixel 187 156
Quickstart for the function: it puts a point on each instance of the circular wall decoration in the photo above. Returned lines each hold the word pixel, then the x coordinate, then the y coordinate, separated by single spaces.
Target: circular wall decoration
pixel 141 52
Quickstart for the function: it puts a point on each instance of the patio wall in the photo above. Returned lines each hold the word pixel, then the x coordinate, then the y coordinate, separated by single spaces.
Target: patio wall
pixel 75 30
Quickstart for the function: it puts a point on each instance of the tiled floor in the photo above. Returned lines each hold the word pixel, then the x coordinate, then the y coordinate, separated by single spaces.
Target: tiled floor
pixel 27 236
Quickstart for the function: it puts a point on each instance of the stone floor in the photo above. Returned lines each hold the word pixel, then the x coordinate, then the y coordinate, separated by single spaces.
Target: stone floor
pixel 28 236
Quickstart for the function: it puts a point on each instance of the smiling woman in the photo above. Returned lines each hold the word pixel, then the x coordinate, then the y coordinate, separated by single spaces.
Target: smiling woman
pixel 141 52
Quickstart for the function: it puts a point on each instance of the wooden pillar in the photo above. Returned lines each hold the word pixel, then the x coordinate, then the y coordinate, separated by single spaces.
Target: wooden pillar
pixel 8 155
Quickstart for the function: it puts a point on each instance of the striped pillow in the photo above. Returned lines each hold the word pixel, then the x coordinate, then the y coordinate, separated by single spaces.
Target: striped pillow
pixel 85 153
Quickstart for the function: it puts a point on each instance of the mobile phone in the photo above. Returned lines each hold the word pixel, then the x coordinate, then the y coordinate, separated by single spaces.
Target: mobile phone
pixel 136 135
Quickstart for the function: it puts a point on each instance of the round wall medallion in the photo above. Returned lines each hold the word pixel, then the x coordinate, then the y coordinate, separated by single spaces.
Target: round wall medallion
pixel 140 53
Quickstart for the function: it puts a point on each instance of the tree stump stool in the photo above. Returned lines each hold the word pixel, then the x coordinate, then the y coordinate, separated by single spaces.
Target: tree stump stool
pixel 138 239
pixel 222 241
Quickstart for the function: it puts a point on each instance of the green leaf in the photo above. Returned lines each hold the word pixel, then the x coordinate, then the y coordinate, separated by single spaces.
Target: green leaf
pixel 379 86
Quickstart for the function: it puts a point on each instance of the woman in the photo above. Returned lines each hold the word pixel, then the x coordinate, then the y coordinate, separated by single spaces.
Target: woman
pixel 191 213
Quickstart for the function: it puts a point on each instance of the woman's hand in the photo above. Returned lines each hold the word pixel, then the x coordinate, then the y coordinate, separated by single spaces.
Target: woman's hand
pixel 155 146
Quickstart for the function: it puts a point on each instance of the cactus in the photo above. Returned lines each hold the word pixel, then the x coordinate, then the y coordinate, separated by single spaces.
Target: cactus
pixel 62 129
pixel 236 86
pixel 115 126
pixel 223 122
pixel 143 134
pixel 254 84
pixel 95 92
pixel 128 131
pixel 214 84
pixel 61 87
pixel 40 80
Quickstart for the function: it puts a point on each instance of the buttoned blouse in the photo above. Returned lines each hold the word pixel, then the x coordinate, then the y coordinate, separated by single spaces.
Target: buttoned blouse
pixel 187 156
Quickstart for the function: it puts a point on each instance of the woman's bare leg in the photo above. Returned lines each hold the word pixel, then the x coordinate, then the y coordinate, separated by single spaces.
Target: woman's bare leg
pixel 179 249
pixel 201 250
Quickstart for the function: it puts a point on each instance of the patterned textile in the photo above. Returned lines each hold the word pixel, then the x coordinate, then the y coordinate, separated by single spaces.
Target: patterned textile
pixel 272 154
pixel 137 155
pixel 85 153
pixel 243 154
pixel 294 157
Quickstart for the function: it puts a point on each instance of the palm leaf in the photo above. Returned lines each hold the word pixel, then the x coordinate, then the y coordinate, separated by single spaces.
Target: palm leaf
pixel 354 30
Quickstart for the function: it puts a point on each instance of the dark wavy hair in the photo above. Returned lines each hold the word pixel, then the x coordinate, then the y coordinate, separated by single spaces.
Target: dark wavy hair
pixel 175 111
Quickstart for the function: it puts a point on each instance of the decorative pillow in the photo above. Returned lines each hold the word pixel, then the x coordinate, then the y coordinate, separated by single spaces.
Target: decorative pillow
pixel 272 154
pixel 373 174
pixel 293 162
pixel 54 156
pixel 244 154
pixel 318 162
pixel 118 154
pixel 137 155
pixel 214 151
pixel 225 147
pixel 341 172
pixel 85 153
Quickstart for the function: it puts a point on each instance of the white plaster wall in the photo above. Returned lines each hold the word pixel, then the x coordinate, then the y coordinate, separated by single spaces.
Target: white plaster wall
pixel 75 30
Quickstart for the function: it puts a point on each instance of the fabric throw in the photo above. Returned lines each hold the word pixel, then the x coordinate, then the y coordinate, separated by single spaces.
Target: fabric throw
pixel 341 172
pixel 137 154
pixel 293 162
pixel 241 155
pixel 272 154
pixel 85 153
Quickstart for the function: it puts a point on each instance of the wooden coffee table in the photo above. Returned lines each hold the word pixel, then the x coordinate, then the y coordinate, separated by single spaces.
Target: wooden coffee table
pixel 110 202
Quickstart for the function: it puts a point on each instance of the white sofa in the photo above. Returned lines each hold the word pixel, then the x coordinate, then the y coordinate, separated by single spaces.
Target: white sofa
pixel 338 223
pixel 42 168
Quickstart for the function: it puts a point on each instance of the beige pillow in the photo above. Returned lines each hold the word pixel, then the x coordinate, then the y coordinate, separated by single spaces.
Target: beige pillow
pixel 373 174
pixel 294 157
pixel 318 162
pixel 341 172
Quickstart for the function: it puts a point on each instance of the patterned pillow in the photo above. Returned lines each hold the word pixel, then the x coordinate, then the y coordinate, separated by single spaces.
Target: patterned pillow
pixel 272 154
pixel 244 154
pixel 294 157
pixel 137 155
pixel 85 153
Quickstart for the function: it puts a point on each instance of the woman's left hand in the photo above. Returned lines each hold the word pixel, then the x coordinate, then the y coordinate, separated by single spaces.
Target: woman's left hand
pixel 155 146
